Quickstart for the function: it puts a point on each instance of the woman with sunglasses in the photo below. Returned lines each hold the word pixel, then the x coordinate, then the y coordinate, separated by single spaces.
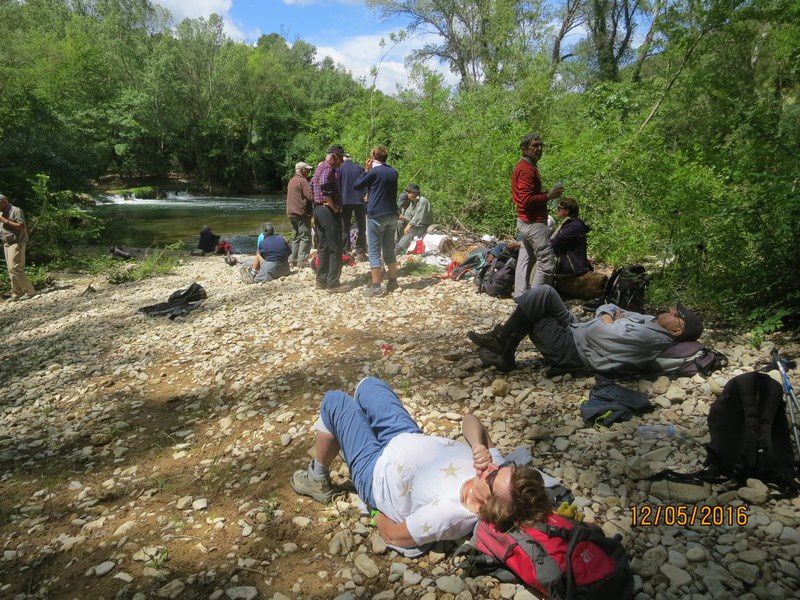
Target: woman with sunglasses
pixel 569 240
pixel 426 488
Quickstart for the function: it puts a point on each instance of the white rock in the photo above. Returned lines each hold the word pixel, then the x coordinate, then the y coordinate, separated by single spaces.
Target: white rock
pixel 451 584
pixel 200 504
pixel 366 566
pixel 242 592
pixel 124 528
pixel 677 577
pixel 104 568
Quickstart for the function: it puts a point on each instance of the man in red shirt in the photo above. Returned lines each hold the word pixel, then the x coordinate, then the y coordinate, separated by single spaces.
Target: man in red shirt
pixel 531 204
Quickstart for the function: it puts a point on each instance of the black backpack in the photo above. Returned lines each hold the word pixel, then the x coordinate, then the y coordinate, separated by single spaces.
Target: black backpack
pixel 496 278
pixel 750 432
pixel 626 288
pixel 749 436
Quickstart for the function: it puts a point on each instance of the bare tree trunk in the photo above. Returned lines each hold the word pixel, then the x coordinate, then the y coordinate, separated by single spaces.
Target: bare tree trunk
pixel 648 41
pixel 570 20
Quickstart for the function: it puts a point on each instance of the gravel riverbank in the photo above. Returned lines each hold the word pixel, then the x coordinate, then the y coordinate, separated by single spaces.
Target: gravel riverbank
pixel 142 457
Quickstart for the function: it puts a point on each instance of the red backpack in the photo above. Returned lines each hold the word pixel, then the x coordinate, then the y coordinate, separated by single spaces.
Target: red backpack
pixel 561 558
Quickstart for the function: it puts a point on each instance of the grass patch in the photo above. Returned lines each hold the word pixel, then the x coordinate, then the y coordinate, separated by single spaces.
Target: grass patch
pixel 420 269
pixel 159 261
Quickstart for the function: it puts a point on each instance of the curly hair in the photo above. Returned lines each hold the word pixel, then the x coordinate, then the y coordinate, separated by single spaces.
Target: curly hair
pixel 529 503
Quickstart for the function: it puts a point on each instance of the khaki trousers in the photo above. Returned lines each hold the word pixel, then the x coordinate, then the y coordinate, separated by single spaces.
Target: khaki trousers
pixel 15 260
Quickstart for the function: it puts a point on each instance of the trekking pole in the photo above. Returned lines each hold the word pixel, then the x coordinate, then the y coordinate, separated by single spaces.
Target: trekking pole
pixel 788 391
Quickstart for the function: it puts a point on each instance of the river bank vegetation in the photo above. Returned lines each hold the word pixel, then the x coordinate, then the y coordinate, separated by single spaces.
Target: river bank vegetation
pixel 674 123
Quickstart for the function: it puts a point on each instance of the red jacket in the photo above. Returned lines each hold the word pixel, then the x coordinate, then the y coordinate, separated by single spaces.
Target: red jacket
pixel 526 192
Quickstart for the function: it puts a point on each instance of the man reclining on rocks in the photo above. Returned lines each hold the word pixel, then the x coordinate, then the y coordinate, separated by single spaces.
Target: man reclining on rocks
pixel 615 340
pixel 426 488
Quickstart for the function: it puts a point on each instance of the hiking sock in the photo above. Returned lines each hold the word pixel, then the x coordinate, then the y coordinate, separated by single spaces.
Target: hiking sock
pixel 317 471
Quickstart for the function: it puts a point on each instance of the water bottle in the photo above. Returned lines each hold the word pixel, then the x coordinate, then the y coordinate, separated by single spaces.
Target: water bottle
pixel 657 432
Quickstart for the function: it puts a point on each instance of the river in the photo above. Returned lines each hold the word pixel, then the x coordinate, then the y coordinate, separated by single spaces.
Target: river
pixel 180 217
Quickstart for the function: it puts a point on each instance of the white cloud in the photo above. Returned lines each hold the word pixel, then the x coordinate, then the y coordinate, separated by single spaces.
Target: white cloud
pixel 192 9
pixel 360 53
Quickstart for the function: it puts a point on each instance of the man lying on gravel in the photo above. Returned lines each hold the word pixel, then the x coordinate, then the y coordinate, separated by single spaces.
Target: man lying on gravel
pixel 426 488
pixel 615 340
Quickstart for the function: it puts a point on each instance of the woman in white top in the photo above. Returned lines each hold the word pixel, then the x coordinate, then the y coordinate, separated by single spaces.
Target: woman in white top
pixel 426 488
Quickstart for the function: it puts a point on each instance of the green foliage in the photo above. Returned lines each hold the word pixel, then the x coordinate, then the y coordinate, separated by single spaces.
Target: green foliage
pixel 159 261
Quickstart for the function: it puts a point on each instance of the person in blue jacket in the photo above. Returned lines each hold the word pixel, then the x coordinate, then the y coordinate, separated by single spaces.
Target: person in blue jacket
pixel 271 260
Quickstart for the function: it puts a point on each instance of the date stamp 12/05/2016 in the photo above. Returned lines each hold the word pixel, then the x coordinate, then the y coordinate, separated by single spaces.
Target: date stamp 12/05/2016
pixel 687 515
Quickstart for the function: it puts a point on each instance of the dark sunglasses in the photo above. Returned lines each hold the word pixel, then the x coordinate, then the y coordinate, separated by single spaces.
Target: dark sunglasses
pixel 491 476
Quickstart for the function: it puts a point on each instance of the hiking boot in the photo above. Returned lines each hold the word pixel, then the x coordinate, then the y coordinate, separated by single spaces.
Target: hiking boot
pixel 305 485
pixel 490 359
pixel 391 285
pixel 371 291
pixel 303 264
pixel 246 274
pixel 492 340
pixel 321 285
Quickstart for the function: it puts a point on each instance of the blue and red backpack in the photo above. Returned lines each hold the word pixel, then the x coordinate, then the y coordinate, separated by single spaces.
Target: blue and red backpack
pixel 560 558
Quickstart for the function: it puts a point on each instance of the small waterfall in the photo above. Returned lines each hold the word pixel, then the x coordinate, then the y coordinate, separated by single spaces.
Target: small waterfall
pixel 180 195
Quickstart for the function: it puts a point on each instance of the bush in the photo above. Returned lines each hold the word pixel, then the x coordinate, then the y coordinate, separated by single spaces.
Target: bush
pixel 158 261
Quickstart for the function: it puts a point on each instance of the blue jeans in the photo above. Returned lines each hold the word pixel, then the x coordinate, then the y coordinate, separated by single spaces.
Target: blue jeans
pixel 380 240
pixel 363 426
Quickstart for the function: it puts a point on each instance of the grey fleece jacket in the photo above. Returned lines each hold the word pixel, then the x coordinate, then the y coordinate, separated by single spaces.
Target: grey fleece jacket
pixel 419 213
pixel 630 342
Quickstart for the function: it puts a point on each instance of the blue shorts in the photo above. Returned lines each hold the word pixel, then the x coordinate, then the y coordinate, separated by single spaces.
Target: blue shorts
pixel 363 426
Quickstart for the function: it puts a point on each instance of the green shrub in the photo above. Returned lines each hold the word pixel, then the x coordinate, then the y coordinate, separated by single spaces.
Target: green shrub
pixel 159 261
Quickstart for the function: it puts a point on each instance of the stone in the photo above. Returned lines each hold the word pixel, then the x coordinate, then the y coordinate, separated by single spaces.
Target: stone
pixel 366 566
pixel 123 576
pixel 242 592
pixel 660 386
pixel 523 594
pixel 124 528
pixel 341 543
pixel 301 521
pixel 104 568
pixel 752 495
pixel 754 556
pixel 696 553
pixel 378 545
pixel 500 387
pixel 744 572
pixel 451 584
pixel 679 492
pixel 651 560
pixel 677 559
pixel 172 590
pixel 200 504
pixel 677 577
pixel 411 577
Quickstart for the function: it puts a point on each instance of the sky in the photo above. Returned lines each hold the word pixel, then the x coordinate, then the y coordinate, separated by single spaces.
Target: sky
pixel 345 30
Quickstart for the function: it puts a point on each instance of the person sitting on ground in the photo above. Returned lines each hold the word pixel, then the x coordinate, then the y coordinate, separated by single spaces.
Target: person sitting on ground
pixel 614 341
pixel 426 488
pixel 208 241
pixel 569 240
pixel 414 220
pixel 271 260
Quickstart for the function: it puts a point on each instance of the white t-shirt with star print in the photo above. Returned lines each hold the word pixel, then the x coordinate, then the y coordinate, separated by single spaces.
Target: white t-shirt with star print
pixel 418 479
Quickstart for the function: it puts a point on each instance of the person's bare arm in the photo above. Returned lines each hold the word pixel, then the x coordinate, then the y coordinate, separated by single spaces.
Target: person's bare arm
pixel 477 437
pixel 12 225
pixel 393 533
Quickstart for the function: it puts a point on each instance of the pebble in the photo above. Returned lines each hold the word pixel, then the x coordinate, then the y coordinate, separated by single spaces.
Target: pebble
pixel 104 568
pixel 200 504
pixel 173 589
pixel 451 584
pixel 242 592
pixel 366 566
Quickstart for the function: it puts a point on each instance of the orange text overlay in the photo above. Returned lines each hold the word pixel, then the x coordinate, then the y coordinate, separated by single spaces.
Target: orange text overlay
pixel 686 515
